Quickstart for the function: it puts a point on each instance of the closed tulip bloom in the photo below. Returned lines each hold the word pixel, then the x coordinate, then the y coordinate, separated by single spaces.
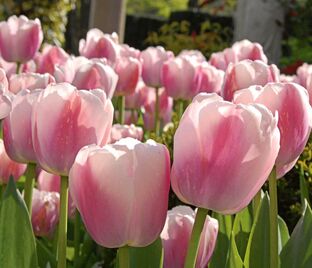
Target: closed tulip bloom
pixel 246 50
pixel 136 99
pixel 124 131
pixel 222 59
pixel 178 76
pixel 99 45
pixel 153 59
pixel 45 212
pixel 8 167
pixel 127 51
pixel 291 102
pixel 96 74
pixel 116 189
pixel 208 79
pixel 20 38
pixel 128 71
pixel 194 54
pixel 29 81
pixel 79 118
pixel 247 73
pixel 49 58
pixel 17 131
pixel 176 236
pixel 223 153
pixel 51 183
pixel 5 96
pixel 304 78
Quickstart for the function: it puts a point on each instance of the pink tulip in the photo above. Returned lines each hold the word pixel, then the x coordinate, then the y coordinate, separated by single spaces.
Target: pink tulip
pixel 5 96
pixel 178 77
pixel 247 73
pixel 45 212
pixel 29 81
pixel 304 78
pixel 9 167
pixel 222 59
pixel 17 132
pixel 194 54
pixel 20 38
pixel 223 153
pixel 51 183
pixel 124 131
pixel 116 189
pixel 152 61
pixel 208 79
pixel 79 118
pixel 96 74
pixel 99 45
pixel 177 233
pixel 49 58
pixel 291 102
pixel 136 99
pixel 131 117
pixel 165 107
pixel 127 51
pixel 287 78
pixel 128 71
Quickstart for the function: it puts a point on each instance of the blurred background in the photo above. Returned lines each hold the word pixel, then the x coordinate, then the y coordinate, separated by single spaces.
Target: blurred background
pixel 283 27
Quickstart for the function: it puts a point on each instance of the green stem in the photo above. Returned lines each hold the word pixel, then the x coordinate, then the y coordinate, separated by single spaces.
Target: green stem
pixel 157 121
pixel 62 230
pixel 193 246
pixel 122 102
pixel 29 185
pixel 3 187
pixel 304 194
pixel 123 257
pixel 256 203
pixel 273 220
pixel 18 67
pixel 180 108
pixel 77 238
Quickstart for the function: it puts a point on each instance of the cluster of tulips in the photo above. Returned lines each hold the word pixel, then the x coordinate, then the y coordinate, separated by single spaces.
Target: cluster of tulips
pixel 241 123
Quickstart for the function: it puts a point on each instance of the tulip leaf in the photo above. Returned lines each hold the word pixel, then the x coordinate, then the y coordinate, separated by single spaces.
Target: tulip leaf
pixel 223 240
pixel 258 248
pixel 241 229
pixel 233 260
pixel 45 256
pixel 147 257
pixel 298 250
pixel 17 241
pixel 283 234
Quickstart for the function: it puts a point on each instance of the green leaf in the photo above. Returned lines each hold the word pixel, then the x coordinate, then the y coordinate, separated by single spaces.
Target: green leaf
pixel 45 256
pixel 234 260
pixel 258 248
pixel 223 240
pixel 298 250
pixel 241 229
pixel 147 257
pixel 17 241
pixel 283 234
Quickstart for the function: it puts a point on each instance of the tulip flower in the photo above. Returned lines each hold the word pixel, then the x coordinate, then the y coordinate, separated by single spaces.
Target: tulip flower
pixel 194 54
pixel 223 153
pixel 29 81
pixel 96 74
pixel 9 167
pixel 123 131
pixel 45 212
pixel 178 76
pixel 177 233
pixel 136 99
pixel 49 58
pixel 20 39
pixel 304 78
pixel 291 102
pixel 99 45
pixel 127 51
pixel 153 59
pixel 5 96
pixel 222 59
pixel 79 118
pixel 247 73
pixel 116 189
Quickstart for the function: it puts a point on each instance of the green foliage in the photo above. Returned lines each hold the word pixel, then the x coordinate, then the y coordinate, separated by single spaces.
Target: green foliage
pixel 160 7
pixel 177 36
pixel 52 14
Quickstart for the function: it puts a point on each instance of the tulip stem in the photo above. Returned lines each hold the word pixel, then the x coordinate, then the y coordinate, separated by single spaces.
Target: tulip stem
pixel 180 108
pixel 157 121
pixel 304 194
pixel 273 219
pixel 255 203
pixel 18 67
pixel 122 102
pixel 192 250
pixel 124 257
pixel 29 185
pixel 62 230
pixel 77 239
